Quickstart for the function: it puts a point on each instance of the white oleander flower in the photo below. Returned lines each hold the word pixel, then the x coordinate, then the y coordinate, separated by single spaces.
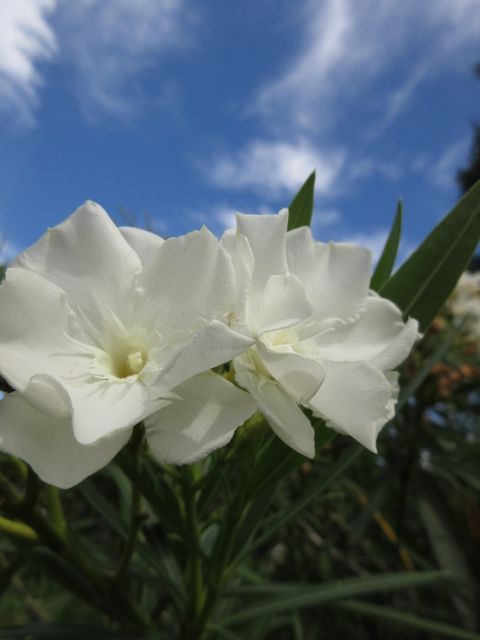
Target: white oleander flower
pixel 101 328
pixel 323 341
pixel 464 303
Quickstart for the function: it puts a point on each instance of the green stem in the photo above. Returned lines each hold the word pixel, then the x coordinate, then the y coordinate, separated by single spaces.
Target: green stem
pixel 135 523
pixel 134 448
pixel 55 508
pixel 222 554
pixel 32 490
pixel 195 566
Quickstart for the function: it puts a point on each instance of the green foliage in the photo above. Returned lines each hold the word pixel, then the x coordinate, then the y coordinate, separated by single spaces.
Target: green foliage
pixel 301 207
pixel 396 617
pixel 296 596
pixel 386 261
pixel 423 283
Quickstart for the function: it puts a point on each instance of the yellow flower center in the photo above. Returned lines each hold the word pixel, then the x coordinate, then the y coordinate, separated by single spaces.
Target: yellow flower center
pixel 132 363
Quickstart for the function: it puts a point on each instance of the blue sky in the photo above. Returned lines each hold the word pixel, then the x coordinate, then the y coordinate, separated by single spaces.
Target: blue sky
pixel 182 112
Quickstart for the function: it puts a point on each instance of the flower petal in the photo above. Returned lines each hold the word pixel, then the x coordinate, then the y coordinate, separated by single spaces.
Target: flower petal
pixel 100 408
pixel 144 243
pixel 356 399
pixel 238 248
pixel 88 258
pixel 204 418
pixel 193 279
pixel 49 446
pixel 35 328
pixel 266 236
pixel 299 376
pixel 335 276
pixel 210 347
pixel 284 416
pixel 281 304
pixel 379 336
pixel 45 394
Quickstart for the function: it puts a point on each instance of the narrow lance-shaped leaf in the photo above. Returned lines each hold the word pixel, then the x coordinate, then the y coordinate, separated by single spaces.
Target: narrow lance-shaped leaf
pixel 310 493
pixel 296 596
pixel 395 617
pixel 426 279
pixel 386 262
pixel 446 543
pixel 301 208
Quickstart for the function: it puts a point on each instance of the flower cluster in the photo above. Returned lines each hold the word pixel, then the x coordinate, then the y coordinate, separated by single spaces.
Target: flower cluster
pixel 105 327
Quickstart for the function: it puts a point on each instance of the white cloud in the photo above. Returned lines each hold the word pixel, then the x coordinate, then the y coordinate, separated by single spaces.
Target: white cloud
pixel 108 44
pixel 26 40
pixel 347 44
pixel 367 167
pixel 325 217
pixel 277 168
pixel 104 46
pixel 442 171
pixel 363 59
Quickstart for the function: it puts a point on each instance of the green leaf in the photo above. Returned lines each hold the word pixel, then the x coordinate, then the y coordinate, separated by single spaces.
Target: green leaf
pixel 448 547
pixel 423 283
pixel 296 596
pixel 223 633
pixel 69 577
pixel 399 617
pixel 103 507
pixel 158 559
pixel 311 493
pixel 301 208
pixel 276 460
pixel 386 262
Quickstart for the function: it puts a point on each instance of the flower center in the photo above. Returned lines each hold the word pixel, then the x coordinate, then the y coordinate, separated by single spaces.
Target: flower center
pixel 131 363
pixel 281 340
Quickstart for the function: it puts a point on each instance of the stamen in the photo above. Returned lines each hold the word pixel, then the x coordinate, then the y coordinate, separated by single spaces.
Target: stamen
pixel 135 362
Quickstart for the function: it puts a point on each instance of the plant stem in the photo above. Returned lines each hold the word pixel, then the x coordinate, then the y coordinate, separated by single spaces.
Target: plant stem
pixel 55 508
pixel 135 522
pixel 195 577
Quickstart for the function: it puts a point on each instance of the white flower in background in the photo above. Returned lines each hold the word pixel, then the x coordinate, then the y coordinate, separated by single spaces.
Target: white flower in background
pixel 101 328
pixel 322 339
pixel 464 303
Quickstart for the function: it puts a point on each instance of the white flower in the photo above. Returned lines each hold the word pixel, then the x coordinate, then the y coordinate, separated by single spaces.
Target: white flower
pixel 322 339
pixel 464 303
pixel 101 328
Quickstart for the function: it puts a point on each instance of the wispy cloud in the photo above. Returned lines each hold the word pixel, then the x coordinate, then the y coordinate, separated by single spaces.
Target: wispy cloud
pixel 356 62
pixel 443 171
pixel 277 168
pixel 348 44
pixel 104 45
pixel 108 44
pixel 26 40
pixel 325 217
